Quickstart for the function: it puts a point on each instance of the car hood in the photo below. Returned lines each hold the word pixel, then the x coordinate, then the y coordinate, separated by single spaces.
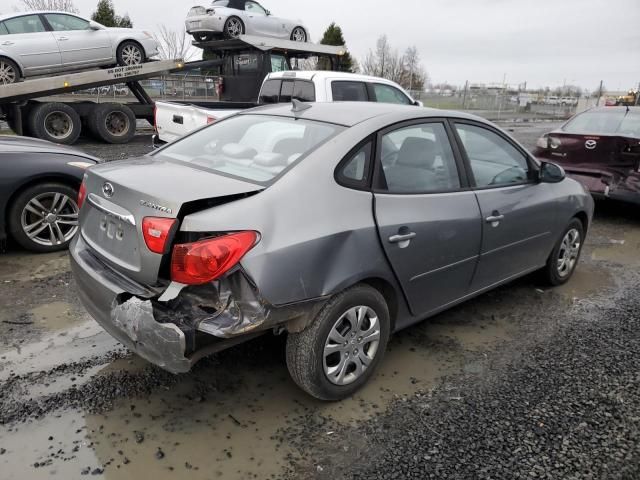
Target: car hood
pixel 16 144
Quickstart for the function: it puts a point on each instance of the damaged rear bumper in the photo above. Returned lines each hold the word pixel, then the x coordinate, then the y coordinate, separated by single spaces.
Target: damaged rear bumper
pixel 193 323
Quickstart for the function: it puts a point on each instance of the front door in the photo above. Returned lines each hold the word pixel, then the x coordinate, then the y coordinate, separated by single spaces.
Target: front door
pixel 79 44
pixel 27 40
pixel 518 212
pixel 262 23
pixel 429 224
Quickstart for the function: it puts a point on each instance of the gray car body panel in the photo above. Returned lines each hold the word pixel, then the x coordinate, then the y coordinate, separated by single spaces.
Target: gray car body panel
pixel 318 237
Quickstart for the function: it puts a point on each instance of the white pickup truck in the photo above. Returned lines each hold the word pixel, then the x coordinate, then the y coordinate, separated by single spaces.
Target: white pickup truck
pixel 174 120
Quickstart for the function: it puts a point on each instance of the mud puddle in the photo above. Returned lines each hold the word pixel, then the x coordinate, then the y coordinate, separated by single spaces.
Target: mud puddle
pixel 23 267
pixel 624 248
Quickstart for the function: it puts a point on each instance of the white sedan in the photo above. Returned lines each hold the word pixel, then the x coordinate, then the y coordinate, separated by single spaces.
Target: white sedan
pixel 42 43
pixel 232 18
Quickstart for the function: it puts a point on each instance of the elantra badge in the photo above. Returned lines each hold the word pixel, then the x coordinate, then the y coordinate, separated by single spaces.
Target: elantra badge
pixel 590 144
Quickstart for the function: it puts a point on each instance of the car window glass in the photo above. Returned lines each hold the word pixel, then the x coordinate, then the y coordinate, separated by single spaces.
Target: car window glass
pixel 270 92
pixel 24 24
pixel 3 29
pixel 494 161
pixel 304 91
pixel 220 3
pixel 286 91
pixel 419 159
pixel 389 94
pixel 254 8
pixel 355 169
pixel 66 22
pixel 278 63
pixel 349 91
pixel 252 147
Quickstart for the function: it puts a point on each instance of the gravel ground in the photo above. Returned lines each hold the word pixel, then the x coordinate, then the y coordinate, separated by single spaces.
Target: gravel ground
pixel 523 382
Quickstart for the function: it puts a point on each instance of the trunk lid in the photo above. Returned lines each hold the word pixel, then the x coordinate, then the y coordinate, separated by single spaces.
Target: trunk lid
pixel 593 151
pixel 121 194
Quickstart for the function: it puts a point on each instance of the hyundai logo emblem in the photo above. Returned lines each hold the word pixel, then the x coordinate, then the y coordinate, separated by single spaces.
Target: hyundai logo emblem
pixel 590 144
pixel 107 189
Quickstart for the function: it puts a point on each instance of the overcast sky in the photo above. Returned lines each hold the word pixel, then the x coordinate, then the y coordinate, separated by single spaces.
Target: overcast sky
pixel 543 42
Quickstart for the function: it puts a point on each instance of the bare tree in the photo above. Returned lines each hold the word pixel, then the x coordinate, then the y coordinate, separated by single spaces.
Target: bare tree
pixel 57 5
pixel 388 63
pixel 174 44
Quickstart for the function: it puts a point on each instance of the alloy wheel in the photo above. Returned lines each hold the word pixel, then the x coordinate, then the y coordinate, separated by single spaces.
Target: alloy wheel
pixel 58 125
pixel 50 219
pixel 568 253
pixel 8 73
pixel 299 35
pixel 351 345
pixel 234 27
pixel 131 55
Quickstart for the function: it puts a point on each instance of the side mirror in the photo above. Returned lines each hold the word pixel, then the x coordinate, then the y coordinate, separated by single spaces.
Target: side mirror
pixel 551 173
pixel 95 25
pixel 418 103
pixel 268 12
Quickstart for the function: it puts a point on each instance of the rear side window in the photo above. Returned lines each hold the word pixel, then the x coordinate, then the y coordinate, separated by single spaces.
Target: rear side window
pixel 61 22
pixel 3 29
pixel 25 24
pixel 349 91
pixel 353 171
pixel 389 94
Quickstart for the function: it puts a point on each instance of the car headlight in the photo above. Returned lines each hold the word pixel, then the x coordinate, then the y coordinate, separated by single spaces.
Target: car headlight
pixel 148 34
pixel 542 142
pixel 82 165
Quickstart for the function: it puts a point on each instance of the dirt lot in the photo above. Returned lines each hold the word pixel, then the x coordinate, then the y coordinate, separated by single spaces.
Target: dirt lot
pixel 523 382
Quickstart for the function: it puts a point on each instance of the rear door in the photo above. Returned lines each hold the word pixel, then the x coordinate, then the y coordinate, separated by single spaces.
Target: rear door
pixel 28 40
pixel 79 45
pixel 428 220
pixel 518 212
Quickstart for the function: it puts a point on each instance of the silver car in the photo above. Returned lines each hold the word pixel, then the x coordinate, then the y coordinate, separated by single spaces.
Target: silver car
pixel 333 223
pixel 232 18
pixel 40 43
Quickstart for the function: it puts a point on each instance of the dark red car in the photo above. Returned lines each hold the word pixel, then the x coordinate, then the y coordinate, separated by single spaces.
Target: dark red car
pixel 601 149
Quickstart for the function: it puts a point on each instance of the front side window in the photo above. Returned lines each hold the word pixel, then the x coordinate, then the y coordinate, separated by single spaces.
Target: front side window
pixel 61 22
pixel 494 161
pixel 24 24
pixel 254 8
pixel 389 94
pixel 256 148
pixel 349 91
pixel 418 159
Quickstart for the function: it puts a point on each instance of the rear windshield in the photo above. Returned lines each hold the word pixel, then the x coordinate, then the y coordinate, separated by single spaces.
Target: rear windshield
pixel 606 122
pixel 282 91
pixel 257 148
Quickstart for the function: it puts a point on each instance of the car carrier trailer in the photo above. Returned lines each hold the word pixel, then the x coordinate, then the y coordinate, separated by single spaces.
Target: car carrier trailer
pixel 239 64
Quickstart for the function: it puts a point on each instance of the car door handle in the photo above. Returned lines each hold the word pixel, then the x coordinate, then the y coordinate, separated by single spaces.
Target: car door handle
pixel 7 43
pixel 63 38
pixel 494 218
pixel 402 237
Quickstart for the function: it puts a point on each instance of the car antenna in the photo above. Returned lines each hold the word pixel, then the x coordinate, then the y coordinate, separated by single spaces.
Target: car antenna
pixel 299 106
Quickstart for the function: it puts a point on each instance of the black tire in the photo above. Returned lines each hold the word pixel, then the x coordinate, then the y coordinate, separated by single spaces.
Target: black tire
pixel 552 274
pixel 305 350
pixel 203 37
pixel 112 123
pixel 230 32
pixel 55 122
pixel 125 55
pixel 18 206
pixel 9 71
pixel 303 37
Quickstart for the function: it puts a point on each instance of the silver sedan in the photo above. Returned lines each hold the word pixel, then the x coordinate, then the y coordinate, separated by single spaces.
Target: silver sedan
pixel 41 43
pixel 232 18
pixel 335 223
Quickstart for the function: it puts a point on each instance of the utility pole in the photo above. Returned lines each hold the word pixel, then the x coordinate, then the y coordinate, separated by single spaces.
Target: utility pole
pixel 638 95
pixel 464 98
pixel 599 93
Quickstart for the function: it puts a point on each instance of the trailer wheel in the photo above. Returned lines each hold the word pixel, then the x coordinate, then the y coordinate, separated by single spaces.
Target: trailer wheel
pixel 55 122
pixel 112 122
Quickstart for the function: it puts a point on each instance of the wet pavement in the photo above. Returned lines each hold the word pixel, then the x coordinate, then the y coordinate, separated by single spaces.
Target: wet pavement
pixel 73 402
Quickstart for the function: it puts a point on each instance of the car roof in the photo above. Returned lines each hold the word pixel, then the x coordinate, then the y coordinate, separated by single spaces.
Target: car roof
pixel 349 114
pixel 34 12
pixel 323 74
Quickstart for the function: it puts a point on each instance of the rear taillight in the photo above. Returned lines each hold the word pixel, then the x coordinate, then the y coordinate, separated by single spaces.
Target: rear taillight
pixel 210 119
pixel 204 261
pixel 155 118
pixel 82 193
pixel 156 232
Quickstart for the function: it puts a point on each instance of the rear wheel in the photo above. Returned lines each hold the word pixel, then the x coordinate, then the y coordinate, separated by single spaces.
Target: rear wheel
pixel 340 350
pixel 130 53
pixel 55 122
pixel 9 72
pixel 44 217
pixel 233 27
pixel 565 255
pixel 112 123
pixel 203 37
pixel 299 35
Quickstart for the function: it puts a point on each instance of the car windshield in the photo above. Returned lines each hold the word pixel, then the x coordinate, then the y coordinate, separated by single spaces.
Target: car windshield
pixel 257 148
pixel 606 122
